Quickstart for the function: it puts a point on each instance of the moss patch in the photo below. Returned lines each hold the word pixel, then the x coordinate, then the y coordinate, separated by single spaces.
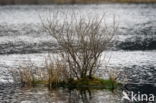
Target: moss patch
pixel 94 83
pixel 83 83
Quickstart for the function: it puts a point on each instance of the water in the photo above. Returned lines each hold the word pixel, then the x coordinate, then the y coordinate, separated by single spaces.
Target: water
pixel 42 95
pixel 134 53
pixel 137 25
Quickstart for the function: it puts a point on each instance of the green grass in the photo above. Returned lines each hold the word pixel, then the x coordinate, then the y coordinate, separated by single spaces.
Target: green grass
pixel 94 83
pixel 83 83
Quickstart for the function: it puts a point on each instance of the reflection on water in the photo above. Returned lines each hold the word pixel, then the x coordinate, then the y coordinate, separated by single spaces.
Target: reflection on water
pixel 42 95
pixel 14 94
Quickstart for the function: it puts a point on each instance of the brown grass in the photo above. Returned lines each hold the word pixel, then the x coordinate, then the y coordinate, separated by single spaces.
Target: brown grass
pixel 57 73
pixel 29 75
pixel 51 75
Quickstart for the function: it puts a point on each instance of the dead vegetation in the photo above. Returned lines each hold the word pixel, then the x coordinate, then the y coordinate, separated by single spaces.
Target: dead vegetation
pixel 51 75
pixel 82 42
pixel 57 73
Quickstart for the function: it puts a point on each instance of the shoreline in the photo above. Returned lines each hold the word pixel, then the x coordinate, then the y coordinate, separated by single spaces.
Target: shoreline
pixel 12 2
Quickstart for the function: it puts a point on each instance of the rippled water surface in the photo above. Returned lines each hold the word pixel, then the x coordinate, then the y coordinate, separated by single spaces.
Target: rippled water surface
pixel 134 53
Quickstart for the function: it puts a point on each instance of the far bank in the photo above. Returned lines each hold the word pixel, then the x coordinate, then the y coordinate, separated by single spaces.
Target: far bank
pixel 15 2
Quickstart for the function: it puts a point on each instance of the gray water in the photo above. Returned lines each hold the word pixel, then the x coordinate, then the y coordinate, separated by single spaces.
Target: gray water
pixel 134 53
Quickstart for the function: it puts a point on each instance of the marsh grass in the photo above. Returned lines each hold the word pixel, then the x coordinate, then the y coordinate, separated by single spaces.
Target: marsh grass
pixel 29 76
pixel 55 75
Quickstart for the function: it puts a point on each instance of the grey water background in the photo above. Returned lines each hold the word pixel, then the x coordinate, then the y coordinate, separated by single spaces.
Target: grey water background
pixel 134 52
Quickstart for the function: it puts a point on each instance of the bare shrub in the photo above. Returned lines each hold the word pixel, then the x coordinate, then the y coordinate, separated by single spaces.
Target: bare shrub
pixel 82 41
